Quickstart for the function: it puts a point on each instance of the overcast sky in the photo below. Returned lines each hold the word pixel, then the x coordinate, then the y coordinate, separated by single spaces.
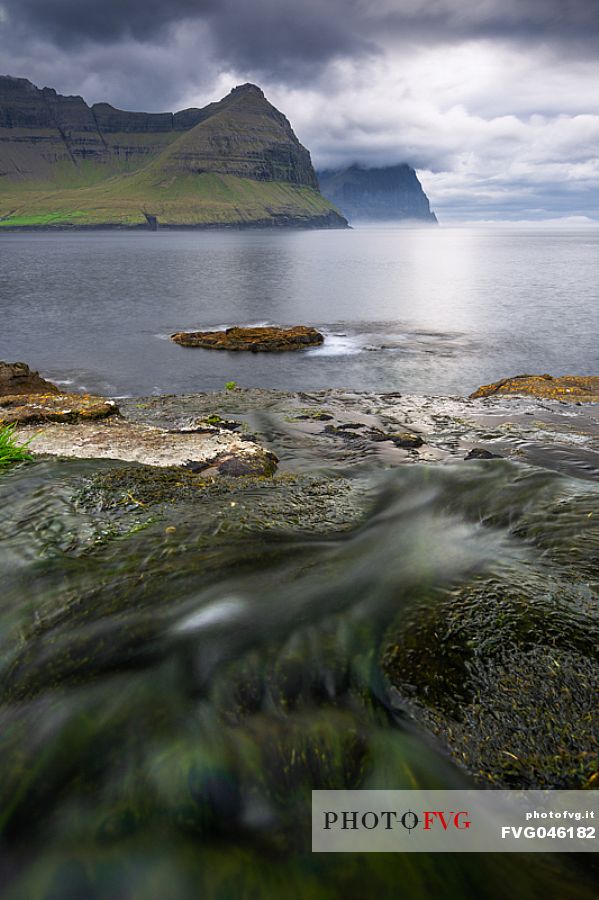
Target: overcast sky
pixel 495 102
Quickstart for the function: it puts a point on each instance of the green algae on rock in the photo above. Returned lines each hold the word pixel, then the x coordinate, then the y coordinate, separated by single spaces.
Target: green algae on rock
pixel 257 340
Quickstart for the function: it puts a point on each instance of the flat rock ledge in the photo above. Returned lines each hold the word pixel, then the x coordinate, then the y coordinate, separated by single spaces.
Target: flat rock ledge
pixel 28 409
pixel 256 340
pixel 571 388
pixel 115 438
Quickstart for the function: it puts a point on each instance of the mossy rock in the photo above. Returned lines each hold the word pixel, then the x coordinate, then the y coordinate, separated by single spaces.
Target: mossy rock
pixel 507 679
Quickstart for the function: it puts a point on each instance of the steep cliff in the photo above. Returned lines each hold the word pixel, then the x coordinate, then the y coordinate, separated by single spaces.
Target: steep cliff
pixel 389 193
pixel 235 162
pixel 243 135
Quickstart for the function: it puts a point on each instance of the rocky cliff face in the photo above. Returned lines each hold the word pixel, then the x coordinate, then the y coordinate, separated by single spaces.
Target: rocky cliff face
pixel 240 135
pixel 390 193
pixel 39 128
pixel 195 167
pixel 243 135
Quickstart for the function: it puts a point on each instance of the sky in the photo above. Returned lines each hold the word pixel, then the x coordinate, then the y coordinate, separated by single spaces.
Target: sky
pixel 494 102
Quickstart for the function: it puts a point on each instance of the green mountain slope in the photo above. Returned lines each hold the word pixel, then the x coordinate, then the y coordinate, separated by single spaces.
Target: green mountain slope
pixel 235 162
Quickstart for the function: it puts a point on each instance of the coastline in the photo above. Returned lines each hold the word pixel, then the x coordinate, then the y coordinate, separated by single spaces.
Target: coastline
pixel 331 221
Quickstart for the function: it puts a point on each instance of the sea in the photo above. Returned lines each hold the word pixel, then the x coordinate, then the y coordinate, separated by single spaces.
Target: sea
pixel 418 310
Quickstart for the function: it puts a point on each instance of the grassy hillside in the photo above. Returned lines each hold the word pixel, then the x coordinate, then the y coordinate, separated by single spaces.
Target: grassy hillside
pixel 206 199
pixel 239 164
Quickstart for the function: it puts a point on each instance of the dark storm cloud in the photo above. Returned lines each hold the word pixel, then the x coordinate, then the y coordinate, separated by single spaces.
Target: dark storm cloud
pixel 493 100
pixel 68 20
pixel 267 35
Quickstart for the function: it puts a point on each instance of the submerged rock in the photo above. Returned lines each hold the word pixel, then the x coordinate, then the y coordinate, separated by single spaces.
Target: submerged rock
pixel 28 409
pixel 18 378
pixel 573 388
pixel 407 440
pixel 481 453
pixel 231 462
pixel 257 340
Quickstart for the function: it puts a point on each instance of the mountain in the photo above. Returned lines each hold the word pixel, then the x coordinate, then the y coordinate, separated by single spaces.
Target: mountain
pixel 389 193
pixel 234 162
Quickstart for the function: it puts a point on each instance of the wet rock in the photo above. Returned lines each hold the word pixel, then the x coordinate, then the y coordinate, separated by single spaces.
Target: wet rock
pixel 572 388
pixel 37 408
pixel 407 440
pixel 256 340
pixel 316 416
pixel 18 378
pixel 480 453
pixel 344 431
pixel 214 422
pixel 147 444
pixel 258 463
pixel 506 677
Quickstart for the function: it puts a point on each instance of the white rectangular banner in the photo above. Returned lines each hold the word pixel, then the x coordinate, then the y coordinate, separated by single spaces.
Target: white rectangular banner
pixel 468 821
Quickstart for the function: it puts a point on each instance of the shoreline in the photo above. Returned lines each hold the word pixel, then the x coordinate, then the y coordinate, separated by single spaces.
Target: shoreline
pixel 315 223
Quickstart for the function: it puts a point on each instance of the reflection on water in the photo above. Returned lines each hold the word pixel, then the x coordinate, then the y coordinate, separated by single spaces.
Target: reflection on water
pixel 446 309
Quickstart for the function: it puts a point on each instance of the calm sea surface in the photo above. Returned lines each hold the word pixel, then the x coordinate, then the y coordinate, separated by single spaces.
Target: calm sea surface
pixel 431 311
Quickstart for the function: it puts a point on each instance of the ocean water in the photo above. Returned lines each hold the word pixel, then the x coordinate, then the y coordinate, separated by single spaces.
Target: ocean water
pixel 416 310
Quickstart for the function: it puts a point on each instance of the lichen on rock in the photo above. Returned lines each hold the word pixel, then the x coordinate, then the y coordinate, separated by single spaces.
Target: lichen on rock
pixel 572 388
pixel 29 409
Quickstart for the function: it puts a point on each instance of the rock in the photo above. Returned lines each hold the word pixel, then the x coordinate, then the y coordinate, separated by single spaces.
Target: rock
pixel 27 409
pixel 215 423
pixel 572 388
pixel 505 677
pixel 407 440
pixel 317 416
pixel 480 453
pixel 147 444
pixel 17 378
pixel 389 193
pixel 258 463
pixel 344 431
pixel 263 339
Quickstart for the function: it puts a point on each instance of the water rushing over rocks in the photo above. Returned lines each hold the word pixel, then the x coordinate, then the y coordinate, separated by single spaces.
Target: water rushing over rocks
pixel 185 657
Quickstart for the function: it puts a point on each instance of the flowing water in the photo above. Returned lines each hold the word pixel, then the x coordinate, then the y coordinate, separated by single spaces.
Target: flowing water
pixel 183 661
